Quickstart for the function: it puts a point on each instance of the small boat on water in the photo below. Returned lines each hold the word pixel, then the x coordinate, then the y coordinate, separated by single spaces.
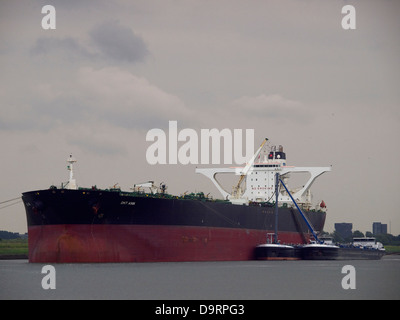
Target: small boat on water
pixel 319 251
pixel 366 248
pixel 321 248
pixel 361 249
pixel 276 251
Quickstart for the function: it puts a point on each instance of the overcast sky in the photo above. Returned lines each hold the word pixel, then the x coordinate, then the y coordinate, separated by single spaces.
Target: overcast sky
pixel 112 70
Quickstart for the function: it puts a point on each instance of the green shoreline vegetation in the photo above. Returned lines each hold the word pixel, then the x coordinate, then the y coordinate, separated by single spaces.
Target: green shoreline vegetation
pixel 13 247
pixel 392 249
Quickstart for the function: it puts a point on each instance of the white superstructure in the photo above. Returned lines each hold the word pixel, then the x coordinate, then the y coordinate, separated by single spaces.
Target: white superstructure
pixel 367 243
pixel 259 178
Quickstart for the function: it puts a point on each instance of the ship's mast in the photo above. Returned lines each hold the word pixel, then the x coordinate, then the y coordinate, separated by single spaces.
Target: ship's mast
pixel 276 206
pixel 71 182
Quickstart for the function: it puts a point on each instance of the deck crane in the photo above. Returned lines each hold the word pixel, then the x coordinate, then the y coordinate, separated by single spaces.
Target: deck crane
pixel 236 190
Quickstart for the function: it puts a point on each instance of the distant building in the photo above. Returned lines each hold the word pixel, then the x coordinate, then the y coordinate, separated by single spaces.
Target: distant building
pixel 345 230
pixel 379 228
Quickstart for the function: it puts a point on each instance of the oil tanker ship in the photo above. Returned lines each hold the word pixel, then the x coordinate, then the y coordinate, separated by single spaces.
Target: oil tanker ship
pixel 146 224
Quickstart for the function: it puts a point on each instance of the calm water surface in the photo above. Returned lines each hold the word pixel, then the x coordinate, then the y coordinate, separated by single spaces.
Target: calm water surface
pixel 258 280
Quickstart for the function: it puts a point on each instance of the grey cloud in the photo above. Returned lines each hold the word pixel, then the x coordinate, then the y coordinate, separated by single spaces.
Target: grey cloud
pixel 126 100
pixel 112 40
pixel 110 96
pixel 97 146
pixel 272 106
pixel 118 42
pixel 68 47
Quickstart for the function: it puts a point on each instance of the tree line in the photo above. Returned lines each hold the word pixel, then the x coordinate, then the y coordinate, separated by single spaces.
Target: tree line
pixel 7 235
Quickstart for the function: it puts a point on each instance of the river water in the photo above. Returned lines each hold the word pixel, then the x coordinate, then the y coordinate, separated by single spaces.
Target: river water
pixel 243 280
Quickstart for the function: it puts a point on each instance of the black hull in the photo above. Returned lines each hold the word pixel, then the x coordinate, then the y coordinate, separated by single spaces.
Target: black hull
pixel 339 253
pixel 276 252
pixel 66 226
pixel 319 252
pixel 360 254
pixel 93 207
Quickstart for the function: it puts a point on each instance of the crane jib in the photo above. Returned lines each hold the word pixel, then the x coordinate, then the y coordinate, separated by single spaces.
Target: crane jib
pixel 302 214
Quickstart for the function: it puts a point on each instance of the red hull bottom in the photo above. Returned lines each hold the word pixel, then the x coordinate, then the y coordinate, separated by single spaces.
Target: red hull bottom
pixel 145 243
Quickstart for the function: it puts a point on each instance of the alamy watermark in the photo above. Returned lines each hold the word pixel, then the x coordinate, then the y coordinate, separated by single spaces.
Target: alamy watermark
pixel 49 280
pixel 348 21
pixel 188 147
pixel 349 280
pixel 49 20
